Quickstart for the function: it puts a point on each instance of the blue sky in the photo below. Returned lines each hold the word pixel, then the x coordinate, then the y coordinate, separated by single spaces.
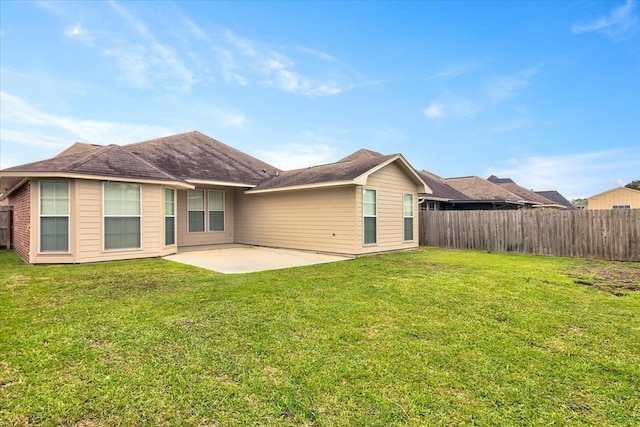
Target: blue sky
pixel 546 93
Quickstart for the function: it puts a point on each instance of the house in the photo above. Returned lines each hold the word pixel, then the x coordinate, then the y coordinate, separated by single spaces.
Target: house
pixel 557 198
pixel 617 198
pixel 443 196
pixel 529 196
pixel 97 203
pixel 475 193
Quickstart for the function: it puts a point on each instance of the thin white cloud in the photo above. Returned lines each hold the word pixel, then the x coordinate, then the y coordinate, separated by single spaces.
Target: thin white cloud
pixel 452 105
pixel 143 60
pixel 503 88
pixel 74 30
pixel 33 139
pixel 453 71
pixel 435 110
pixel 52 129
pixel 134 64
pixel 574 175
pixel 619 25
pixel 163 59
pixel 280 71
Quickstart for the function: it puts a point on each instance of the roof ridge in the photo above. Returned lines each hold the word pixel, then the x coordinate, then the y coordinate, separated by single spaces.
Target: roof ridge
pixel 89 156
pixel 162 137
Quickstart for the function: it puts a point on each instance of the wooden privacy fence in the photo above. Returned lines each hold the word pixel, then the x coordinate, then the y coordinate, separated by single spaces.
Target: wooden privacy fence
pixel 604 234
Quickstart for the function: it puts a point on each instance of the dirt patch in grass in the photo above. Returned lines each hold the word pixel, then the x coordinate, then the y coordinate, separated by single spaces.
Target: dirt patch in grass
pixel 615 278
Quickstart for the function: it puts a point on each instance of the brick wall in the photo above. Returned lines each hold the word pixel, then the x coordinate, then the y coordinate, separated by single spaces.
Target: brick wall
pixel 21 202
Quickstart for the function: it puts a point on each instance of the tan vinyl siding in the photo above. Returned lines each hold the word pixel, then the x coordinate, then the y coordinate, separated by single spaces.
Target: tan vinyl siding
pixel 86 226
pixel 315 219
pixel 618 196
pixel 391 184
pixel 186 239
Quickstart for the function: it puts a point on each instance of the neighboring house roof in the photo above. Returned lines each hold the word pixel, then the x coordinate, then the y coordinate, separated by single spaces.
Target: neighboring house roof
pixel 198 158
pixel 521 192
pixel 441 190
pixel 529 196
pixel 556 198
pixel 353 169
pixel 624 189
pixel 477 188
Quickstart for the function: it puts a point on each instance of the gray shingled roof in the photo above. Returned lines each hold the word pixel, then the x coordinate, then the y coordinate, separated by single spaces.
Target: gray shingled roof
pixel 521 192
pixel 441 190
pixel 194 156
pixel 361 154
pixel 107 161
pixel 556 198
pixel 477 188
pixel 344 170
pixel 79 148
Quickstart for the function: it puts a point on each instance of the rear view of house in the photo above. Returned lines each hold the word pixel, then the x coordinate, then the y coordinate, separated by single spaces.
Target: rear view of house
pixel 96 203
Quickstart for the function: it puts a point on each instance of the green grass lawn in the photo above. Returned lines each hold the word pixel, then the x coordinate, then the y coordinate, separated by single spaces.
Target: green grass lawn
pixel 431 337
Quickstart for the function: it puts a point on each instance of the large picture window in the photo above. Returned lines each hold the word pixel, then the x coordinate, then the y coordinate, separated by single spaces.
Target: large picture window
pixel 195 210
pixel 216 210
pixel 370 217
pixel 122 216
pixel 407 213
pixel 54 216
pixel 169 216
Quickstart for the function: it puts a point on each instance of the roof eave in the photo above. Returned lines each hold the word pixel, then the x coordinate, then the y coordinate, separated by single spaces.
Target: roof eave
pixel 220 183
pixel 70 175
pixel 303 187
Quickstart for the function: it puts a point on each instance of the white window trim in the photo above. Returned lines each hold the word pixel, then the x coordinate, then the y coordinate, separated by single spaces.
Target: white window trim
pixel 104 216
pixel 175 228
pixel 68 216
pixel 224 211
pixel 364 190
pixel 413 214
pixel 204 207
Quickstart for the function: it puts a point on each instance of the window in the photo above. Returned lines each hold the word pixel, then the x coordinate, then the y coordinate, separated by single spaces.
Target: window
pixel 54 216
pixel 169 216
pixel 122 216
pixel 407 213
pixel 195 208
pixel 370 217
pixel 621 207
pixel 428 206
pixel 216 210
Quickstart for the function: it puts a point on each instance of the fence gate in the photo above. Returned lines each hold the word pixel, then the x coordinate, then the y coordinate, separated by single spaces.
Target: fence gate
pixel 5 227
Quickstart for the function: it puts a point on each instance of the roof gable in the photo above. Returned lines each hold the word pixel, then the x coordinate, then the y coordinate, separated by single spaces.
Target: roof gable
pixel 441 190
pixel 618 189
pixel 343 172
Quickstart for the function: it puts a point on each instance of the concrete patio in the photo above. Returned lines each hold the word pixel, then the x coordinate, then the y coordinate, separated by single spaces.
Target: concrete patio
pixel 235 259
